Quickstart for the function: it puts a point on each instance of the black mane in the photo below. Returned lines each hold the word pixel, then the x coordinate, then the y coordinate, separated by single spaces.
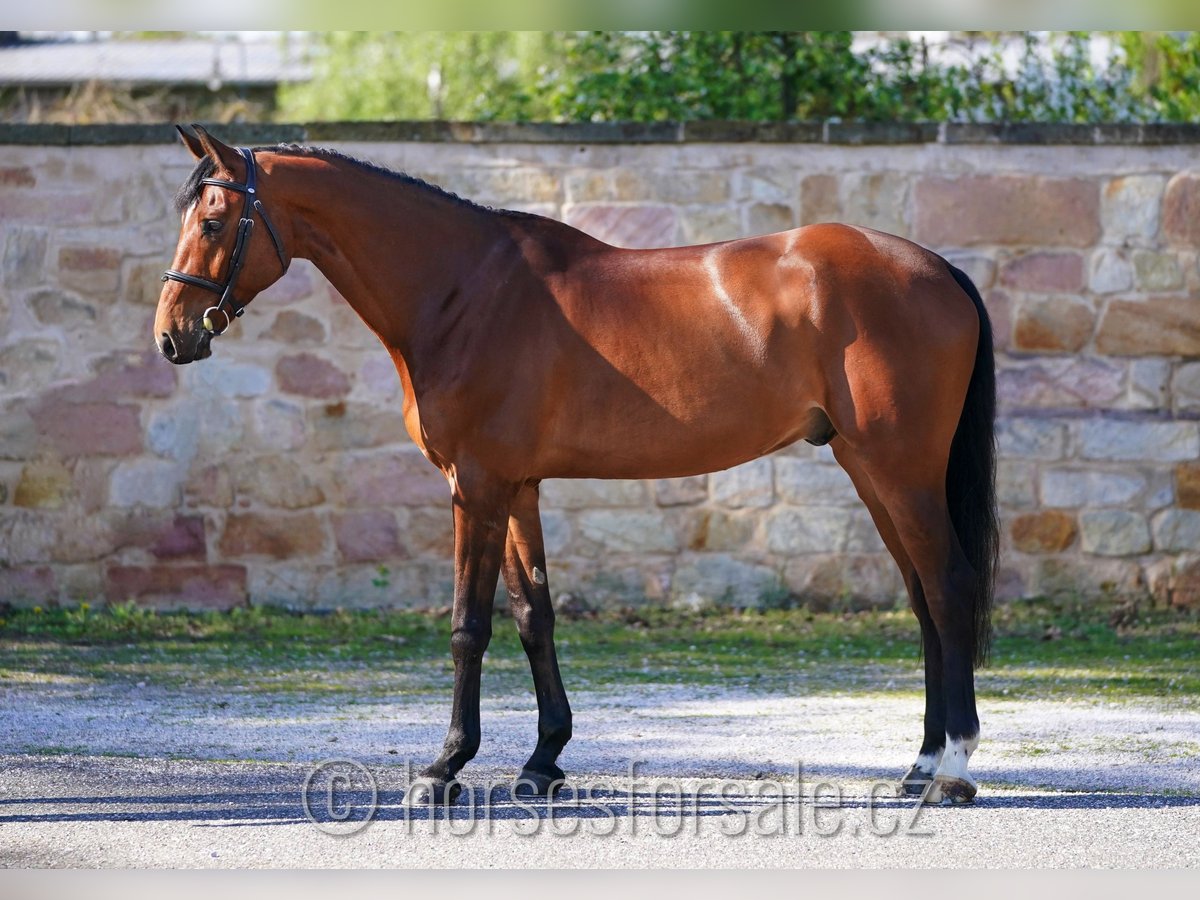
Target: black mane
pixel 190 190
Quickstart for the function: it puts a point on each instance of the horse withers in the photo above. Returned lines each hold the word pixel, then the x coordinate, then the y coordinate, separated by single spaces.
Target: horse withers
pixel 529 350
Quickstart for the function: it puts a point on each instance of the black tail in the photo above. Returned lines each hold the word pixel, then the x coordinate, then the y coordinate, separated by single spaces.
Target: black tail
pixel 971 475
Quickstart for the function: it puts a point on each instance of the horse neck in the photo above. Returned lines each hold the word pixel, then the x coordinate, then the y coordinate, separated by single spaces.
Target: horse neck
pixel 393 249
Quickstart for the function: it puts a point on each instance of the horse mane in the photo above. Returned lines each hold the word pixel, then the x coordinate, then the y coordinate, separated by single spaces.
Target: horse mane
pixel 190 190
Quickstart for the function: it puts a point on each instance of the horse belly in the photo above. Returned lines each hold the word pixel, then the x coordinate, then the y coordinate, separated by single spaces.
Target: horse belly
pixel 688 426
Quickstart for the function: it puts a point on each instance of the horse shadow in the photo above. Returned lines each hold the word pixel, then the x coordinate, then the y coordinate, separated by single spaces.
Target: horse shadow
pixel 220 797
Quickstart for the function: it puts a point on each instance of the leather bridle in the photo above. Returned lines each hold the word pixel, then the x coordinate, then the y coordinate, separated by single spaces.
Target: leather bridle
pixel 250 205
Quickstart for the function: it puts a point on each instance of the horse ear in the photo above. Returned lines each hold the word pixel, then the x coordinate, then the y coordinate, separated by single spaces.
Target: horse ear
pixel 223 155
pixel 191 143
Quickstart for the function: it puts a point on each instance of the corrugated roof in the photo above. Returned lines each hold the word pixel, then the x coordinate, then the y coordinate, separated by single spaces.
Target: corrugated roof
pixel 185 61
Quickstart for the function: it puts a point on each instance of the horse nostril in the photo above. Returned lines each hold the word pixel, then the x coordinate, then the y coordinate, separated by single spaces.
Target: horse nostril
pixel 167 346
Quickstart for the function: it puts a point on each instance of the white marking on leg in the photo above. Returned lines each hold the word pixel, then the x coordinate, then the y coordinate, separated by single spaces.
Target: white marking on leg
pixel 927 763
pixel 739 318
pixel 954 758
pixel 539 577
pixel 952 772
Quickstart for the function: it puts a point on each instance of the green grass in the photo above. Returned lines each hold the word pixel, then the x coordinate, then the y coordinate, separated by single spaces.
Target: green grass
pixel 1041 650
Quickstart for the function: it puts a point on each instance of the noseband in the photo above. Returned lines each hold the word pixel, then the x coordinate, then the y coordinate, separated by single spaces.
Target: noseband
pixel 250 205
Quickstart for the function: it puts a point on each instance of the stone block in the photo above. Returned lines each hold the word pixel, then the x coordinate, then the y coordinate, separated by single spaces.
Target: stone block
pixel 1181 210
pixel 26 586
pixel 1113 532
pixel 277 481
pixel 311 376
pixel 27 365
pixel 146 482
pixel 1090 487
pixel 1157 271
pixel 627 531
pixel 89 429
pixel 1187 485
pixel 1148 380
pixel 626 225
pixel 1006 209
pixel 351 426
pixel 819 199
pixel 1131 441
pixel 750 484
pixel 1016 484
pixel 768 218
pixel 46 484
pixel 814 529
pixel 584 493
pixel 1157 326
pixel 877 200
pixel 999 306
pixel 681 491
pixel 429 530
pixel 709 224
pixel 1111 272
pixel 279 424
pixel 1093 577
pixel 177 586
pixel 1053 324
pixel 1177 531
pixel 51 306
pixel 367 535
pixel 1048 531
pixel 1044 272
pixel 298 536
pixel 724 580
pixel 180 537
pixel 209 486
pixel 89 269
pixel 714 529
pixel 26 536
pixel 1023 438
pixel 1130 207
pixel 397 478
pixel 227 378
pixel 1074 382
pixel 25 257
pixel 805 482
pixel 295 328
pixel 840 582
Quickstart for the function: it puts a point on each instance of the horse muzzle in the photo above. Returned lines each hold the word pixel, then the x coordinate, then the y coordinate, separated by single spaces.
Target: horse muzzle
pixel 181 349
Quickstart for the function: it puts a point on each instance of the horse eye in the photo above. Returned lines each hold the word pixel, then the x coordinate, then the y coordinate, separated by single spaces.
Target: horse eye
pixel 211 226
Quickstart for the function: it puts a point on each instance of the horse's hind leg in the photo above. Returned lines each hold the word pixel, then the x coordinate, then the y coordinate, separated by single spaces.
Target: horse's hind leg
pixel 917 507
pixel 930 755
pixel 529 594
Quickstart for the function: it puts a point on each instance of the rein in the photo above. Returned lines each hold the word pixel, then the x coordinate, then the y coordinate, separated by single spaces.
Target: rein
pixel 250 205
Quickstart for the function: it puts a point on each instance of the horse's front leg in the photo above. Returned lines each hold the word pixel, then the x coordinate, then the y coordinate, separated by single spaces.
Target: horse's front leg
pixel 480 524
pixel 529 593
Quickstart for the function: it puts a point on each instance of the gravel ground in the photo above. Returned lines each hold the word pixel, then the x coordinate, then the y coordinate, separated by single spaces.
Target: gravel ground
pixel 123 775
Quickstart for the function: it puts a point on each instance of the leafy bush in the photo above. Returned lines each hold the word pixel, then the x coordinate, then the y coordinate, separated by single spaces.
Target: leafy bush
pixel 751 75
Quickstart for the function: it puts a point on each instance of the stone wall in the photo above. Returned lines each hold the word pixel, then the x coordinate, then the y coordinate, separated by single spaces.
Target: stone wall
pixel 279 471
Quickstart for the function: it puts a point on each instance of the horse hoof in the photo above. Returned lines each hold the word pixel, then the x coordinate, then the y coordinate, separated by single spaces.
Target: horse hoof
pixel 432 792
pixel 914 783
pixel 531 783
pixel 951 791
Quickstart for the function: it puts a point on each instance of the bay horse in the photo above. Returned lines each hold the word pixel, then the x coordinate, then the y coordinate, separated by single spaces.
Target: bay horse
pixel 529 350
